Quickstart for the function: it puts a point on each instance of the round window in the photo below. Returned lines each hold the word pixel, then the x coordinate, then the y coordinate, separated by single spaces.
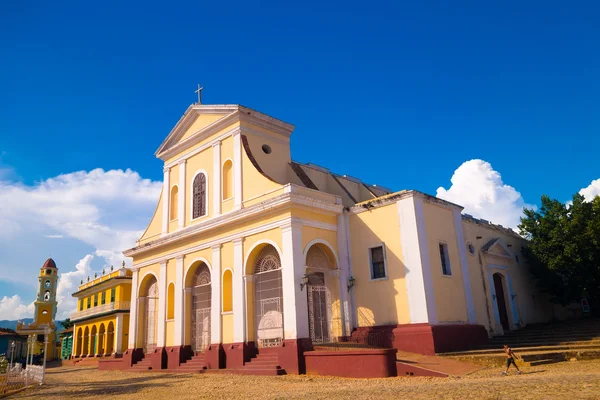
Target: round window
pixel 471 249
pixel 266 148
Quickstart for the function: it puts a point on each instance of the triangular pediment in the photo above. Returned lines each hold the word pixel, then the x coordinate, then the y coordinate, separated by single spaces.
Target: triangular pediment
pixel 497 247
pixel 198 120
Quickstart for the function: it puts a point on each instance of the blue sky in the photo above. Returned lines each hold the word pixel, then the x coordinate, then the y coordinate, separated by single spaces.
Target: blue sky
pixel 396 93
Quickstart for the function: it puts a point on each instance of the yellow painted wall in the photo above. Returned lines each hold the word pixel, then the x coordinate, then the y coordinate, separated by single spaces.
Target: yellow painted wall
pixel 309 234
pixel 275 164
pixel 532 304
pixel 314 216
pixel 227 321
pixel 204 142
pixel 154 228
pixel 200 161
pixel 202 121
pixel 255 184
pixel 378 302
pixel 450 300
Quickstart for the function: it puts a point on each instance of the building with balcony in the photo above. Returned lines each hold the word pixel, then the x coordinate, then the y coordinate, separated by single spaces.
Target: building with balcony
pixel 101 322
pixel 252 259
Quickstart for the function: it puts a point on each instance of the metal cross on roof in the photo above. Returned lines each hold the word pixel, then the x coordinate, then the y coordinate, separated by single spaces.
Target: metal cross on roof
pixel 199 91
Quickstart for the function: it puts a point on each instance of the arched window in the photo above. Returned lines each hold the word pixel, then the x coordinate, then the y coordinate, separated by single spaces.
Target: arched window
pixel 227 291
pixel 46 295
pixel 171 301
pixel 199 196
pixel 174 202
pixel 227 180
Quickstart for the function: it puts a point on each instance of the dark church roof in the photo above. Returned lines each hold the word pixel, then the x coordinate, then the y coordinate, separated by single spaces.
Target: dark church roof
pixel 49 264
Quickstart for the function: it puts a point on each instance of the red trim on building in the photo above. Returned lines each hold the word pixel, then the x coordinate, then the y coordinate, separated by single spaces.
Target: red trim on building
pixel 370 363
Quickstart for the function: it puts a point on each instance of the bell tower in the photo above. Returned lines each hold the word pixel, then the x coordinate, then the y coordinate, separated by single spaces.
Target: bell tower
pixel 45 303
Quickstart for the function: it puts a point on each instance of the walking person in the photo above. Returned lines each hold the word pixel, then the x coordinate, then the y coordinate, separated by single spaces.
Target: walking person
pixel 510 359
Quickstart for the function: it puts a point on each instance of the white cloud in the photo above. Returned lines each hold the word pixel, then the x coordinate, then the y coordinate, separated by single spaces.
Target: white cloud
pixel 12 308
pixel 68 283
pixel 107 210
pixel 590 192
pixel 480 190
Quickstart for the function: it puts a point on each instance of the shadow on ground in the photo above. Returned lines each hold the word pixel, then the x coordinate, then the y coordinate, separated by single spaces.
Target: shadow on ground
pixel 108 388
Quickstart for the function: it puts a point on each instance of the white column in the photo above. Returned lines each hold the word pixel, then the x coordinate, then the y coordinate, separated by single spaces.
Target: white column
pixel 464 266
pixel 118 334
pixel 237 171
pixel 162 301
pixel 179 316
pixel 239 309
pixel 181 200
pixel 133 310
pixel 216 178
pixel 344 268
pixel 215 311
pixel 295 307
pixel 165 199
pixel 419 285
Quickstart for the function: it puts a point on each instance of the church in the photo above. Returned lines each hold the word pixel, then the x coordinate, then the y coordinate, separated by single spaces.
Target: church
pixel 252 259
pixel 41 333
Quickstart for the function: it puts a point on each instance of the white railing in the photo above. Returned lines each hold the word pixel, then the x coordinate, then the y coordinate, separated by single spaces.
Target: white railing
pixel 104 308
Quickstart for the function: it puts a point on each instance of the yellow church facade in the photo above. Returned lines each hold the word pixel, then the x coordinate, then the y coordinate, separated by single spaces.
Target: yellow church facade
pixel 253 259
pixel 101 321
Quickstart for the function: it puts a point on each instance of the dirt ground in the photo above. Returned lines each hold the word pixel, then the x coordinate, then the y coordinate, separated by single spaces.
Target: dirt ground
pixel 567 380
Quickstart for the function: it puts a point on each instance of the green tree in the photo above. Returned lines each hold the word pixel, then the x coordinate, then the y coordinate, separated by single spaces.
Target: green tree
pixel 66 323
pixel 563 249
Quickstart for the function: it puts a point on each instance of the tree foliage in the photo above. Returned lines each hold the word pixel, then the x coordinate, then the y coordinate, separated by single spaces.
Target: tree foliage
pixel 563 248
pixel 66 323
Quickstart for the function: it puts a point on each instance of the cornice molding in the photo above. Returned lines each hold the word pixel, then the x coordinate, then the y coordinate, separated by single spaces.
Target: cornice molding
pixel 235 216
pixel 237 238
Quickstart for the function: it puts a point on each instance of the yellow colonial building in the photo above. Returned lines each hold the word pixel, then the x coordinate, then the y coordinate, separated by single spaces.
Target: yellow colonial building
pixel 251 258
pixel 101 322
pixel 43 327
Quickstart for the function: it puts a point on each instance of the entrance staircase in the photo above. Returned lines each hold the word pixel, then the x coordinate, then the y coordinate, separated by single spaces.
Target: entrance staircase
pixel 264 363
pixel 196 363
pixel 142 365
pixel 540 344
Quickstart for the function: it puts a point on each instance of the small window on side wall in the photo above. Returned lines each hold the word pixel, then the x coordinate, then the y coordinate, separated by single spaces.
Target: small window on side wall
pixel 445 260
pixel 377 258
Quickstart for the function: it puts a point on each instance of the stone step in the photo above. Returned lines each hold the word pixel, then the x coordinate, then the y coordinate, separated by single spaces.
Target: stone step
pixel 518 350
pixel 244 371
pixel 262 362
pixel 532 356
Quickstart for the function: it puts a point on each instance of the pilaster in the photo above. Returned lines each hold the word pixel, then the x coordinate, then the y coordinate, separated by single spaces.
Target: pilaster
pixel 179 315
pixel 295 307
pixel 165 201
pixel 133 310
pixel 239 309
pixel 237 170
pixel 215 310
pixel 118 334
pixel 345 273
pixel 162 301
pixel 419 285
pixel 182 191
pixel 216 189
pixel 464 266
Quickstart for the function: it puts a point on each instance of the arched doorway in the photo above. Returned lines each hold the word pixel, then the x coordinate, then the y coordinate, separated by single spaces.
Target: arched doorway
pixel 501 301
pixel 94 341
pixel 79 342
pixel 101 337
pixel 149 306
pixel 268 298
pixel 200 308
pixel 319 262
pixel 110 338
pixel 86 342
